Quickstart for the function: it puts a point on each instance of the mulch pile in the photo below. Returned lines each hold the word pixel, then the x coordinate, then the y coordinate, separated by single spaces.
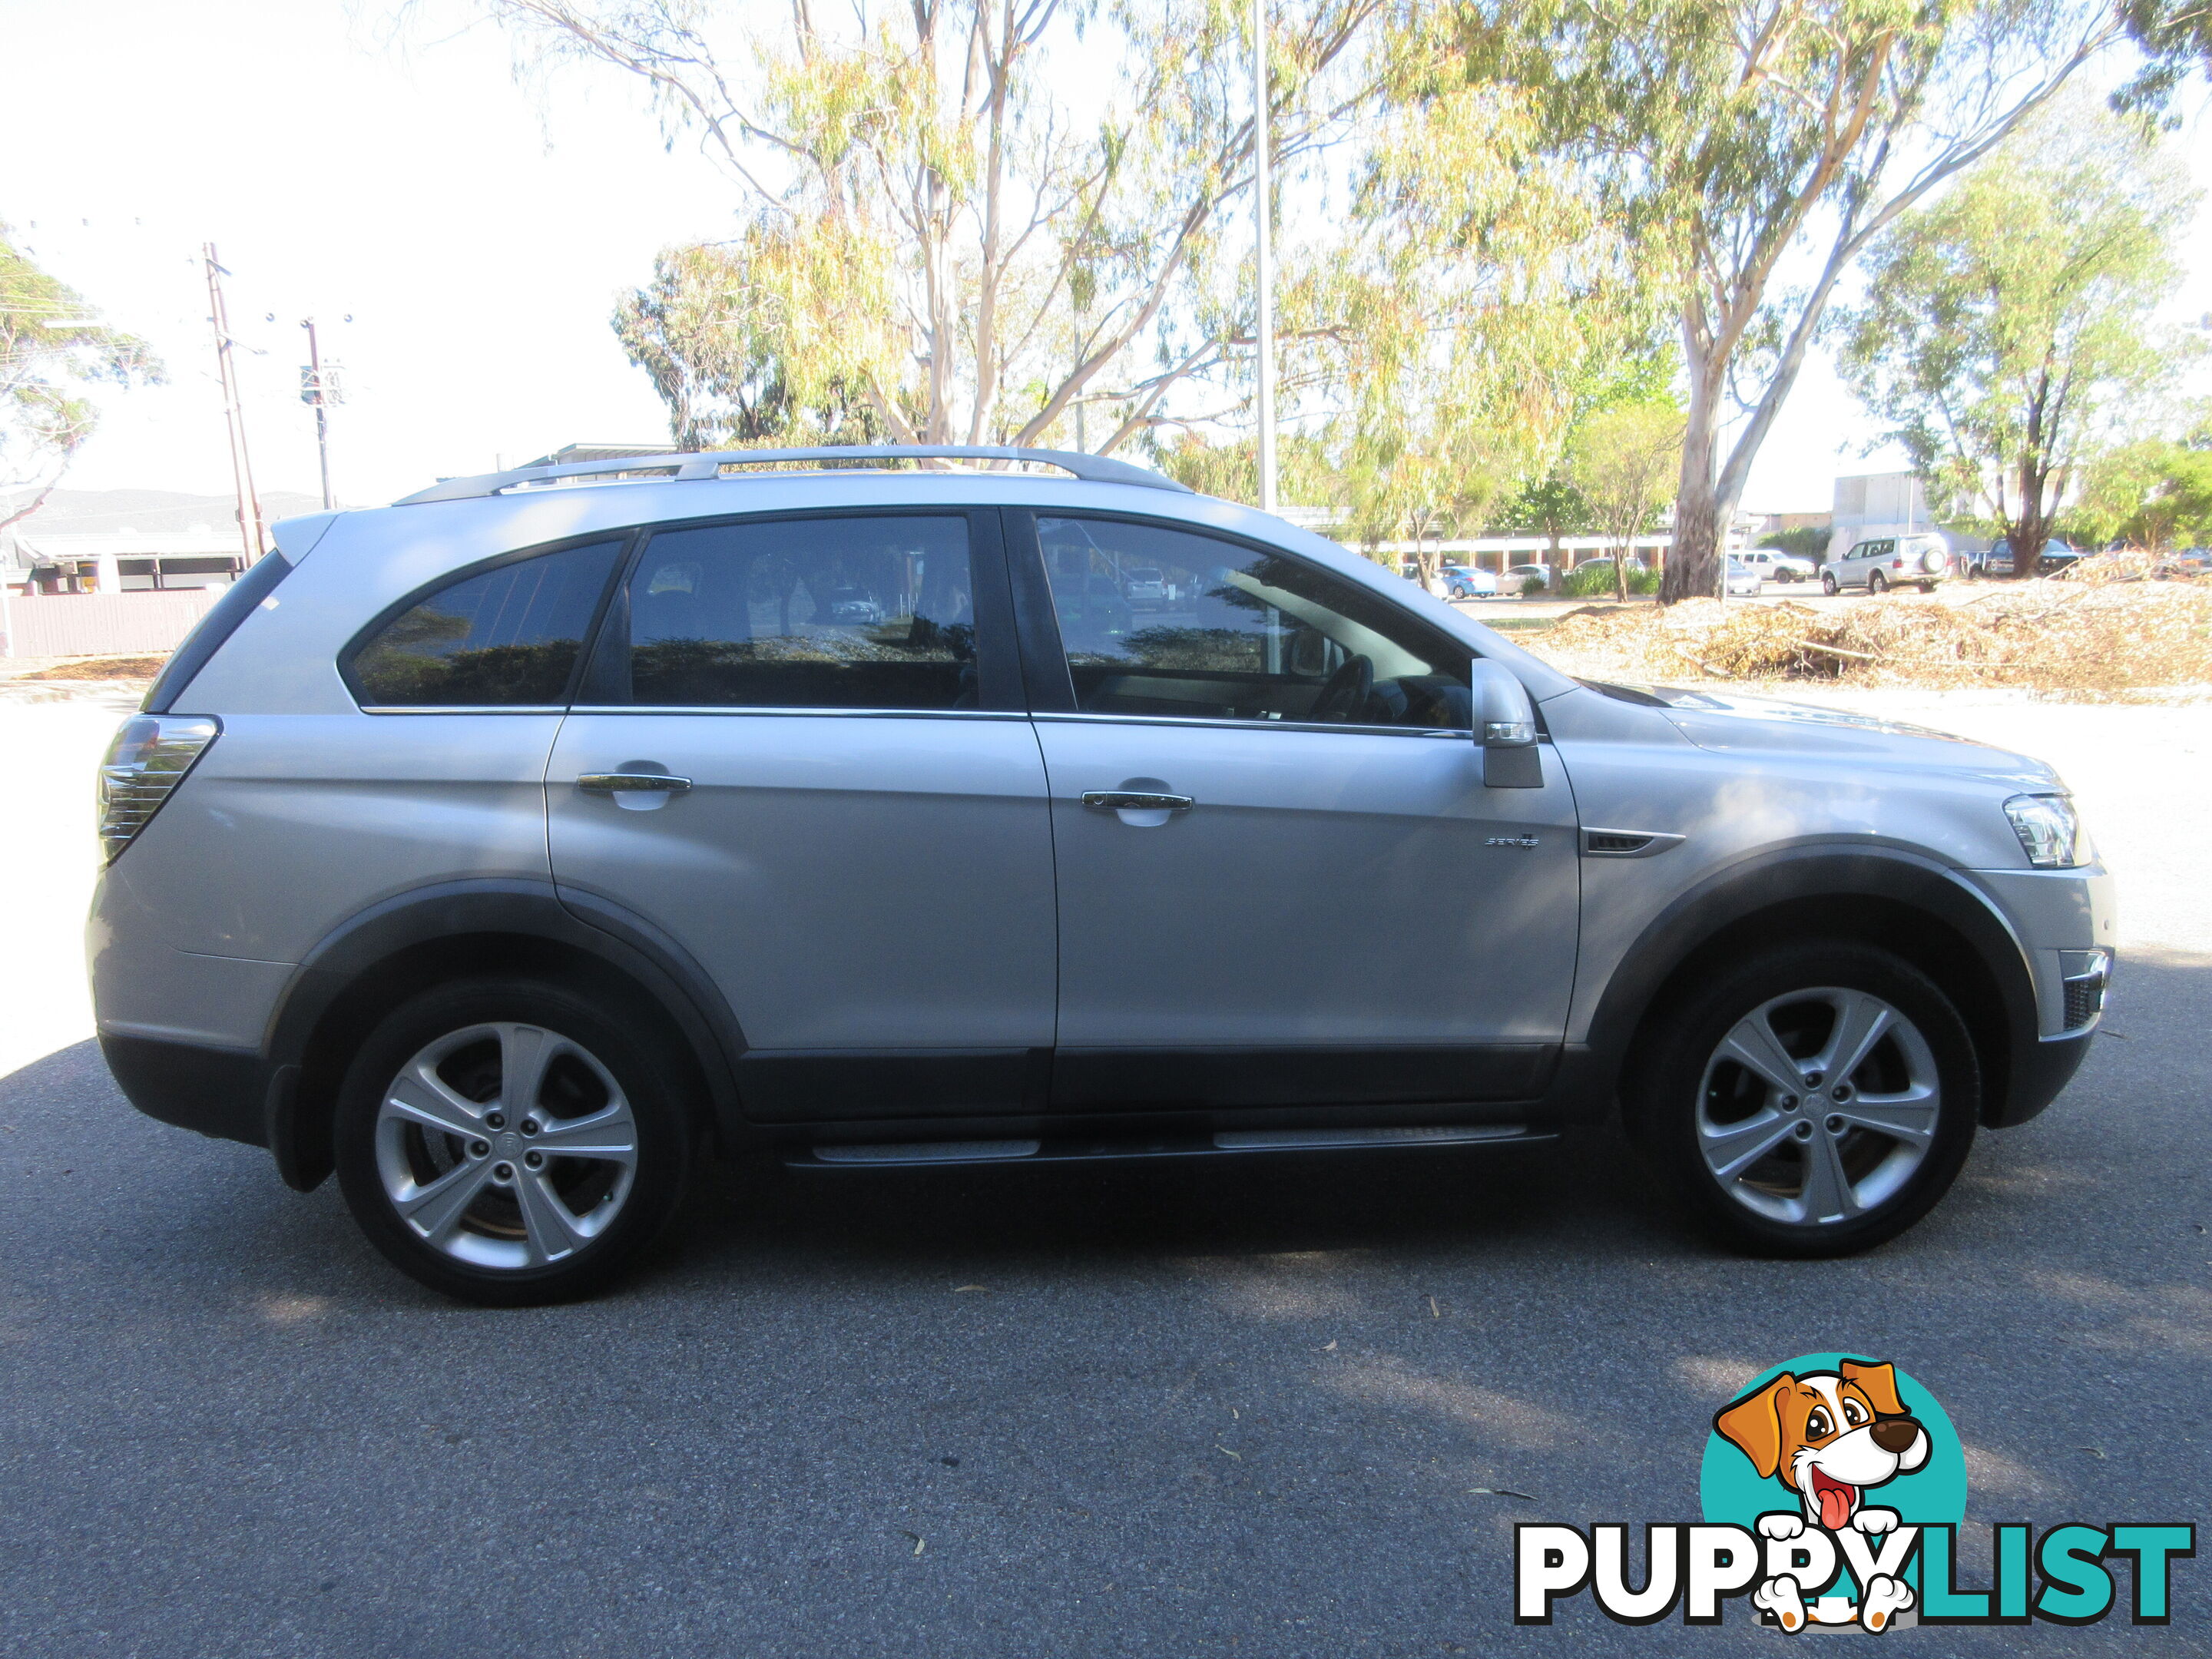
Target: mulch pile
pixel 2088 638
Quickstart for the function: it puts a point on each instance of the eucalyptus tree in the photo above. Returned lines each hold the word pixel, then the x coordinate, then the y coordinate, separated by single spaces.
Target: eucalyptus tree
pixel 53 352
pixel 971 213
pixel 2010 335
pixel 1752 148
pixel 1624 460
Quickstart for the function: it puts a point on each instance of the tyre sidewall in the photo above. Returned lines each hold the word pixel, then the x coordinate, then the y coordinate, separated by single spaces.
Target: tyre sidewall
pixel 1663 1106
pixel 657 1101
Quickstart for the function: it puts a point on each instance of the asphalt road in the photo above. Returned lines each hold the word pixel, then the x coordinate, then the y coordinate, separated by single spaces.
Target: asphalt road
pixel 1161 1410
pixel 1197 1409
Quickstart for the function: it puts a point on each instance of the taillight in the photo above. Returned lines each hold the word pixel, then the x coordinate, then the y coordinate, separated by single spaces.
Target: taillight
pixel 1897 564
pixel 149 758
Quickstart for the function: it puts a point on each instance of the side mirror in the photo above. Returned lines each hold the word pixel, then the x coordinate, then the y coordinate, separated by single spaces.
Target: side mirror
pixel 1505 727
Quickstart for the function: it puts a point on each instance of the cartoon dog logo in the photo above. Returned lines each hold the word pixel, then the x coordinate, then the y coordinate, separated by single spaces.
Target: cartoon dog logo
pixel 1829 1436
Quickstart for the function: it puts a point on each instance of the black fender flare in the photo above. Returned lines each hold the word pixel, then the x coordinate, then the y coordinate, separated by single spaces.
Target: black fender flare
pixel 529 908
pixel 1828 871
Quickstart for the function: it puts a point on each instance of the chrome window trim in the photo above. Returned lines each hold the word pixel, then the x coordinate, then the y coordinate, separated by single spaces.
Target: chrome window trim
pixel 465 708
pixel 1462 734
pixel 759 709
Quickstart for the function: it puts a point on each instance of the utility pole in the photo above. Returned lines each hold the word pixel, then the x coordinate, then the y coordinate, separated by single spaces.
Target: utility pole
pixel 1261 193
pixel 241 465
pixel 313 390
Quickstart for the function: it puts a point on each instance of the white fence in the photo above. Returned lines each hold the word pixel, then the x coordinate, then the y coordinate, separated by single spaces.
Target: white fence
pixel 100 624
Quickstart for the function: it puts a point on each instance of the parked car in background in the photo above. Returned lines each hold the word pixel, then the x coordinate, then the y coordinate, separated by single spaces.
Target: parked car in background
pixel 1776 566
pixel 2189 561
pixel 1144 588
pixel 1465 582
pixel 1517 576
pixel 1744 581
pixel 1998 561
pixel 1890 561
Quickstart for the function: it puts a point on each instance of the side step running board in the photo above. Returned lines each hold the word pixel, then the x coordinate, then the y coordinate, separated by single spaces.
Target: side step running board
pixel 1450 1135
pixel 878 1155
pixel 930 1152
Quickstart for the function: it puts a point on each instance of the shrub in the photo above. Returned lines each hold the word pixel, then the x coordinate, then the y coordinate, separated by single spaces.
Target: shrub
pixel 1532 587
pixel 1594 581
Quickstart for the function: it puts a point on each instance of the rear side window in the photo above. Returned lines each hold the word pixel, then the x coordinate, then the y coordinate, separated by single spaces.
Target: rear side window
pixel 860 612
pixel 503 637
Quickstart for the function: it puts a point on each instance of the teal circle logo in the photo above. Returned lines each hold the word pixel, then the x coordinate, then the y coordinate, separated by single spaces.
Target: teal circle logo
pixel 1768 1447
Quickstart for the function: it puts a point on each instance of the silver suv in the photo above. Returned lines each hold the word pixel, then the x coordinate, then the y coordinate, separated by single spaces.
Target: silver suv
pixel 508 849
pixel 1891 562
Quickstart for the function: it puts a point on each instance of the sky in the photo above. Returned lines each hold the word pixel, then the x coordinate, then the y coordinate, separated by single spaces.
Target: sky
pixel 476 230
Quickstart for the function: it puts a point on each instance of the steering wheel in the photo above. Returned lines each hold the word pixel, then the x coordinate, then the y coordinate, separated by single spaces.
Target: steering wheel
pixel 1345 697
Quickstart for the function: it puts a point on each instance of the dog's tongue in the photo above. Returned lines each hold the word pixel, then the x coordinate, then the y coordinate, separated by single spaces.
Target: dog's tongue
pixel 1835 1506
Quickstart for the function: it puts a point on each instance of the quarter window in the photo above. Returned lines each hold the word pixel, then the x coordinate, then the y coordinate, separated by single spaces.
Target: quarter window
pixel 860 613
pixel 504 637
pixel 1163 622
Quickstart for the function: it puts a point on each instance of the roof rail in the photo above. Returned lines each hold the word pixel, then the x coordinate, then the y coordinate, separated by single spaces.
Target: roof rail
pixel 679 468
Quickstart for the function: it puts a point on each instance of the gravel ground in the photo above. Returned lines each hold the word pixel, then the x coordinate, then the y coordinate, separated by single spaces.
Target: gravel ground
pixel 1161 1410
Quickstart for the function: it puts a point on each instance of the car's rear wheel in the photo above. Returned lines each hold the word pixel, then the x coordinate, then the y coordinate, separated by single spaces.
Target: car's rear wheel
pixel 1815 1100
pixel 1927 587
pixel 1828 583
pixel 1876 582
pixel 508 1142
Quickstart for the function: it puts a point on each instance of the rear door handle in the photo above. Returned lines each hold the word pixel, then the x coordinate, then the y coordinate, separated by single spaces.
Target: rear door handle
pixel 1135 800
pixel 617 783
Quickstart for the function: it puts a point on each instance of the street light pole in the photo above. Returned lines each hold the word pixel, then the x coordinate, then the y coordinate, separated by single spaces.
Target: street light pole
pixel 321 402
pixel 233 414
pixel 1262 190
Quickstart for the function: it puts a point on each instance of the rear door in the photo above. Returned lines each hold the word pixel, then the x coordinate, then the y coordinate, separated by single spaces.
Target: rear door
pixel 1342 912
pixel 858 849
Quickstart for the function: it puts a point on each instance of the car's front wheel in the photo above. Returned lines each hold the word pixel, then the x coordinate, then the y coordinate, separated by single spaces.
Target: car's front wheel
pixel 510 1142
pixel 1828 583
pixel 1815 1100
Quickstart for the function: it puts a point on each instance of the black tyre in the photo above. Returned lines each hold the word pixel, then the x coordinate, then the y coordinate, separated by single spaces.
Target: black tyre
pixel 1815 1100
pixel 1876 582
pixel 1828 583
pixel 513 1141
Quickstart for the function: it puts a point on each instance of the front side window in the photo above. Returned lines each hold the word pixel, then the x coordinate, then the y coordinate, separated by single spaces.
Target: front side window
pixel 1166 623
pixel 860 612
pixel 507 636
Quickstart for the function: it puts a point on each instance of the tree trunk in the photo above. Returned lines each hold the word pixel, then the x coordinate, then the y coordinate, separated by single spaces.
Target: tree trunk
pixel 1693 568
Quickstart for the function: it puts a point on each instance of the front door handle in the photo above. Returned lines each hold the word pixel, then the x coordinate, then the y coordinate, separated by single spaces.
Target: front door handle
pixel 1135 800
pixel 619 783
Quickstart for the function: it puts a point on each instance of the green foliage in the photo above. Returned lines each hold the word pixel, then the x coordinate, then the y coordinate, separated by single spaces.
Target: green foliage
pixel 1547 505
pixel 1532 587
pixel 2155 492
pixel 2008 335
pixel 1624 460
pixel 1807 542
pixel 1737 139
pixel 53 353
pixel 701 329
pixel 1598 579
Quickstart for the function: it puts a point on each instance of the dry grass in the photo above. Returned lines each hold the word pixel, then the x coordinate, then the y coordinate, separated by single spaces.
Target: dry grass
pixel 2095 639
pixel 99 668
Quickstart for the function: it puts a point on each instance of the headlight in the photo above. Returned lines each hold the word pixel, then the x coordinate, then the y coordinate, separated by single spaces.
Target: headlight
pixel 2050 833
pixel 149 758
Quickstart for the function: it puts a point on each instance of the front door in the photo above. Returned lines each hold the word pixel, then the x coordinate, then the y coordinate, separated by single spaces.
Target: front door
pixel 862 856
pixel 1341 912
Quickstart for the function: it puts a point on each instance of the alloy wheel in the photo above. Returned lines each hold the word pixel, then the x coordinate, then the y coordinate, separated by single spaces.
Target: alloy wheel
pixel 506 1145
pixel 1817 1107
